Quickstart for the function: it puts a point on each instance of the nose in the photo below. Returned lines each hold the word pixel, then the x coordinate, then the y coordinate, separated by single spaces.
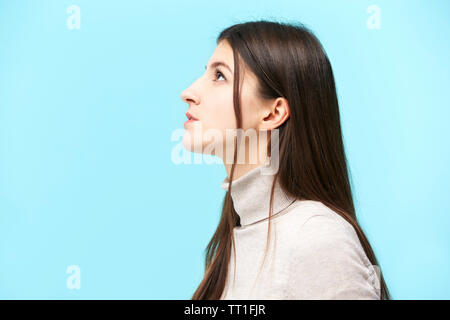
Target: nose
pixel 189 97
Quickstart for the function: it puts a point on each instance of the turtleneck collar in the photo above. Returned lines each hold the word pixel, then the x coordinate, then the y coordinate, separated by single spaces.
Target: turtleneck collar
pixel 251 195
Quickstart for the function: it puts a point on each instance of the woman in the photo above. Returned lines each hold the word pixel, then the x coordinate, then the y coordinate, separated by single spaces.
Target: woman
pixel 271 77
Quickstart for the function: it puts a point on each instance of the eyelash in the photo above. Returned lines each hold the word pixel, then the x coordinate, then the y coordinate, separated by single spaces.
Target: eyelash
pixel 217 71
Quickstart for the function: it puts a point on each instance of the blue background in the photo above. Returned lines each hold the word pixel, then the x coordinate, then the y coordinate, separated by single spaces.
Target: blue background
pixel 87 176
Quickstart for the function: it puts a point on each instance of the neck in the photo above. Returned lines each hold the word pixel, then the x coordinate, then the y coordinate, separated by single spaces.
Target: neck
pixel 250 193
pixel 259 153
pixel 240 169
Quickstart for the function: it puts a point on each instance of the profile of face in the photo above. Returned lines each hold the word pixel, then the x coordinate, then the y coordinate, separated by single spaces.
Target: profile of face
pixel 210 100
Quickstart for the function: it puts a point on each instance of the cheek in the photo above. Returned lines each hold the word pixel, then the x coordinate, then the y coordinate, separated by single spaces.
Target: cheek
pixel 249 113
pixel 220 114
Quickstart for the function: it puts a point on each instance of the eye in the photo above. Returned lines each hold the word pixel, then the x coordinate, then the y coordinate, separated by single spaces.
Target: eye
pixel 217 72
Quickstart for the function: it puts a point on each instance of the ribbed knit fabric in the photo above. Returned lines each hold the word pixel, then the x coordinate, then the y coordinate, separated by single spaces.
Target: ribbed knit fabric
pixel 314 253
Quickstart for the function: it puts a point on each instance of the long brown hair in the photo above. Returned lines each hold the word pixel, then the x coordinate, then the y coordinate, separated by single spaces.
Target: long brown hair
pixel 288 61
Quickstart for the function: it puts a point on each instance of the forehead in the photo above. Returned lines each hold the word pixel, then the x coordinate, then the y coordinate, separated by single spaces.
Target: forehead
pixel 224 53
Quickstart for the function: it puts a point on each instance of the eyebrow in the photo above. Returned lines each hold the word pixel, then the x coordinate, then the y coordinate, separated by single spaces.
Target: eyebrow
pixel 220 63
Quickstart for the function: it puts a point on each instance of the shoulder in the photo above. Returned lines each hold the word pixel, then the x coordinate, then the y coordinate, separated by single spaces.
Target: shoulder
pixel 326 259
pixel 318 229
pixel 313 221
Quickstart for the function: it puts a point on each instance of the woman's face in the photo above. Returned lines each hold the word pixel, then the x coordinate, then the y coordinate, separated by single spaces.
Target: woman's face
pixel 210 100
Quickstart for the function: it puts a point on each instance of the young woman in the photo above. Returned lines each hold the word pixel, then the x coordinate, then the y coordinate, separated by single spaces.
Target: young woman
pixel 287 231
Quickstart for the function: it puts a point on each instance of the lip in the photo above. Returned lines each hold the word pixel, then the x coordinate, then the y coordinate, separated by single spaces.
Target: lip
pixel 188 115
pixel 189 121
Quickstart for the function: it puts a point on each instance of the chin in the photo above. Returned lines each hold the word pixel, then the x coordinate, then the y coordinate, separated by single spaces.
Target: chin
pixel 191 144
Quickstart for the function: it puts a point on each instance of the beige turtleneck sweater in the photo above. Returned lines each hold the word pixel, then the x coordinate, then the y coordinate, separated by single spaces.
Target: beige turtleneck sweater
pixel 317 254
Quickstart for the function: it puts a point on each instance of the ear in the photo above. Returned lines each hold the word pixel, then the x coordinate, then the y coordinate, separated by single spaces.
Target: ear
pixel 275 114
